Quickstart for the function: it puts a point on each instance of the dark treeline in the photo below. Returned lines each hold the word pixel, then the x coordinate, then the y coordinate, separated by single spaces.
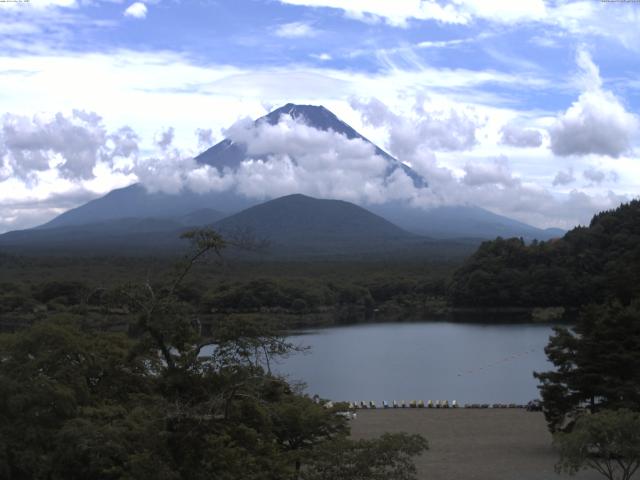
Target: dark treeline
pixel 588 265
pixel 33 289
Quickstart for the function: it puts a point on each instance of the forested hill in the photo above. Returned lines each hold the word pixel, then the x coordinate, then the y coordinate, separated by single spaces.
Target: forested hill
pixel 589 264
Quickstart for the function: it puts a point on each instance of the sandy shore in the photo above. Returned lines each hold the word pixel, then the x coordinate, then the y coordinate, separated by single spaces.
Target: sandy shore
pixel 472 444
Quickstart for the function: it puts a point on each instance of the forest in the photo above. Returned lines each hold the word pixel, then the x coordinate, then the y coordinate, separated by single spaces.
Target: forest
pixel 298 294
pixel 590 264
pixel 79 402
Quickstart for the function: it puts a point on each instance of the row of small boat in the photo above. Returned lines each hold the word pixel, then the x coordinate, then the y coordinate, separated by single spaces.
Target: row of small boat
pixel 403 404
pixel 429 404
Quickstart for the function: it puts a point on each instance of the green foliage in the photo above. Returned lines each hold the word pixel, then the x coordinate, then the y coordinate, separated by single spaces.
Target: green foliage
pixel 590 264
pixel 302 294
pixel 597 364
pixel 49 375
pixel 66 292
pixel 390 457
pixel 608 442
pixel 81 403
pixel 266 293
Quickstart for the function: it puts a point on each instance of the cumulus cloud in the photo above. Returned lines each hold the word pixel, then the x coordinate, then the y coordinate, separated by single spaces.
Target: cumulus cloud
pixel 136 10
pixel 287 157
pixel 205 138
pixel 491 184
pixel 594 175
pixel 498 172
pixel 291 156
pixel 564 177
pixel 597 176
pixel 284 158
pixel 172 172
pixel 515 136
pixel 597 123
pixel 71 144
pixel 295 30
pixel 165 138
pixel 451 130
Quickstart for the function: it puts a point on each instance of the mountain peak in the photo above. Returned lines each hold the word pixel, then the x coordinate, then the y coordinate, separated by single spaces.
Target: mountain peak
pixel 313 115
pixel 300 221
pixel 228 154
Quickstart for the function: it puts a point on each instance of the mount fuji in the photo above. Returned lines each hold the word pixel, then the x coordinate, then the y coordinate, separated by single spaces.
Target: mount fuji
pixel 133 208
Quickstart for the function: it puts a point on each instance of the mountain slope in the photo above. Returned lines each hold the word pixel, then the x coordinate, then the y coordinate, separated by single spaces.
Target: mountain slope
pixel 297 223
pixel 461 221
pixel 119 235
pixel 135 202
pixel 294 226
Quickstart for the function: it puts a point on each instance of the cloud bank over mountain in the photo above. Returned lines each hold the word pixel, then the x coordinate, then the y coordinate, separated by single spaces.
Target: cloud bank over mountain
pixel 289 157
pixel 545 132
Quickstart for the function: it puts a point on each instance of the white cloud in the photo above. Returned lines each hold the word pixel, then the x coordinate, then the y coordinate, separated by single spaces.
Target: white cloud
pixel 498 172
pixel 292 157
pixel 164 139
pixel 434 130
pixel 136 10
pixel 584 18
pixel 18 28
pixel 589 76
pixel 597 176
pixel 564 177
pixel 399 12
pixel 594 175
pixel 324 57
pixel 516 136
pixel 597 123
pixel 139 88
pixel 580 18
pixel 71 144
pixel 295 30
pixel 41 4
pixel 205 138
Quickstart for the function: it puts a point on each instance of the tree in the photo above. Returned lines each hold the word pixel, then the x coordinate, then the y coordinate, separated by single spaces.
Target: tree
pixel 608 442
pixel 597 263
pixel 77 403
pixel 49 376
pixel 299 424
pixel 389 457
pixel 597 365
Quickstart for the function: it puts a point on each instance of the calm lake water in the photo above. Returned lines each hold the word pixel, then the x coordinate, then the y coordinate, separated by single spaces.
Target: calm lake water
pixel 469 363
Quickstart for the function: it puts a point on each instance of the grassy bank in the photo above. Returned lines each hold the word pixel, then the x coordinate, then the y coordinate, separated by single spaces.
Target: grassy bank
pixel 470 444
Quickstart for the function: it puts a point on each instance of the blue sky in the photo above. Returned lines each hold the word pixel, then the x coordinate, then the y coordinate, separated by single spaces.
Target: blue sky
pixel 527 108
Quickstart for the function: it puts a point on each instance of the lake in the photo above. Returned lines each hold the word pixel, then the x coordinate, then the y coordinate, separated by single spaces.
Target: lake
pixel 470 363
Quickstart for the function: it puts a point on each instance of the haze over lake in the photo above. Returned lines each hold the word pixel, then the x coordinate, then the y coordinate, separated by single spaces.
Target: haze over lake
pixel 427 360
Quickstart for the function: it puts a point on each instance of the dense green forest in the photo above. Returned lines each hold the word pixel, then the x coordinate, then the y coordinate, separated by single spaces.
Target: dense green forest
pixel 77 402
pixel 298 293
pixel 588 265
